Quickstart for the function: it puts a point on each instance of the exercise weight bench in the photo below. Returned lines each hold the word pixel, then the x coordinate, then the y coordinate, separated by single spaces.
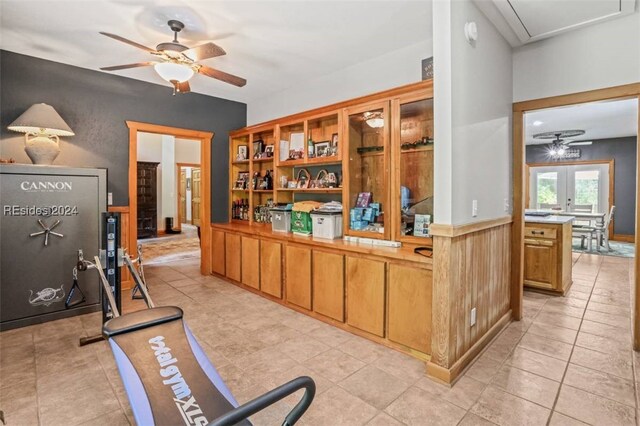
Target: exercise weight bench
pixel 167 376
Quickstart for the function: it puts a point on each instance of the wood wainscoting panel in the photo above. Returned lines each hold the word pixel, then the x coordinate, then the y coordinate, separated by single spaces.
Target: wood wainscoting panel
pixel 126 281
pixel 232 256
pixel 217 252
pixel 271 268
pixel 470 271
pixel 251 262
pixel 328 284
pixel 409 301
pixel 366 294
pixel 298 276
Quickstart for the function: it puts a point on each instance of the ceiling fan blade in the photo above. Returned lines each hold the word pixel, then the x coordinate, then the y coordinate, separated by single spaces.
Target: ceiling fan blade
pixel 577 143
pixel 183 87
pixel 204 51
pixel 129 42
pixel 124 67
pixel 222 76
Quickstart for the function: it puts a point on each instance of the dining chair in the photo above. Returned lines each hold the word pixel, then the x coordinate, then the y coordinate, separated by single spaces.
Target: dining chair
pixel 603 230
pixel 582 208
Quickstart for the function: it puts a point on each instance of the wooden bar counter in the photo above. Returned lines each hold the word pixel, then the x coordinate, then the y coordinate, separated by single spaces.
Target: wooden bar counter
pixel 380 293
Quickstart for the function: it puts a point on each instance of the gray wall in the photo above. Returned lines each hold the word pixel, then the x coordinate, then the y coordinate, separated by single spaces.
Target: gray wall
pixel 96 104
pixel 623 152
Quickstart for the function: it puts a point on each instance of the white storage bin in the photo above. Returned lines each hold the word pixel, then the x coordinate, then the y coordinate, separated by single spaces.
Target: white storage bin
pixel 280 219
pixel 327 225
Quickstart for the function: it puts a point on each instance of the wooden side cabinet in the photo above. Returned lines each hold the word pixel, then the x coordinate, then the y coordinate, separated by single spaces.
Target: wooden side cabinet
pixel 251 262
pixel 232 256
pixel 328 284
pixel 298 276
pixel 217 252
pixel 410 295
pixel 366 294
pixel 547 256
pixel 271 268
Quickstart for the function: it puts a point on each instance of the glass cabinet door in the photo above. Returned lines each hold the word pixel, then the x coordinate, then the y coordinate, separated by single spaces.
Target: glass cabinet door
pixel 413 149
pixel 366 195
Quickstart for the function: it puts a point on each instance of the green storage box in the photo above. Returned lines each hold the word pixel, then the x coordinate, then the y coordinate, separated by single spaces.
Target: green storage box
pixel 301 222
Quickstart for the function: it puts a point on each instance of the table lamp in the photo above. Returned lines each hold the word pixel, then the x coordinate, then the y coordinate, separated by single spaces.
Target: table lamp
pixel 42 126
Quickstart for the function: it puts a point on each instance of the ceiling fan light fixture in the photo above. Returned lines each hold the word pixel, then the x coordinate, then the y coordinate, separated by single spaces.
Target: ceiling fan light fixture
pixel 170 71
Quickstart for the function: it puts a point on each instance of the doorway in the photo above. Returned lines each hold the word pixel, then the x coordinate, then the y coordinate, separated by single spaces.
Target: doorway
pixel 203 211
pixel 522 191
pixel 189 177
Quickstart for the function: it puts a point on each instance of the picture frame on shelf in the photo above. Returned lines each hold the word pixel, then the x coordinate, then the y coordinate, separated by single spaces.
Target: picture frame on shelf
pixel 239 184
pixel 295 154
pixel 334 139
pixel 258 147
pixel 269 150
pixel 243 153
pixel 322 148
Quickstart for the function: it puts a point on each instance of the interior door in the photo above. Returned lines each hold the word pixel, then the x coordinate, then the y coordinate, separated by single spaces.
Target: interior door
pixel 182 197
pixel 195 195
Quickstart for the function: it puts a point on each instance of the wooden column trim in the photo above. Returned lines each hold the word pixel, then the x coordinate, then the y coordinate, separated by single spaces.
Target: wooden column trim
pixel 451 231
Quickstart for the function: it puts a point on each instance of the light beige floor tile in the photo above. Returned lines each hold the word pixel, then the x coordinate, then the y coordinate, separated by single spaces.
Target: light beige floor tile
pixel 471 419
pixel 483 369
pixel 558 419
pixel 337 406
pixel 601 384
pixel 415 406
pixel 402 366
pixel 464 393
pixel 542 345
pixel 383 419
pixel 527 385
pixel 608 309
pixel 618 365
pixel 330 336
pixel 603 344
pixel 374 386
pixel 558 320
pixel 116 418
pixel 565 335
pixel 614 320
pixel 363 349
pixel 568 310
pixel 334 365
pixel 578 303
pixel 593 409
pixel 20 404
pixel 303 347
pixel 537 363
pixel 505 409
pixel 605 330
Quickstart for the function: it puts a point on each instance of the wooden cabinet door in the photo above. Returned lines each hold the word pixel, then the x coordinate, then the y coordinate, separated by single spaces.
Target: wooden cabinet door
pixel 251 262
pixel 271 268
pixel 232 256
pixel 540 263
pixel 365 294
pixel 298 276
pixel 328 284
pixel 217 251
pixel 410 307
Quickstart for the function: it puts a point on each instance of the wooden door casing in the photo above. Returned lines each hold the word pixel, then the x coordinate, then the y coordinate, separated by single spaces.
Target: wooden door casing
pixel 182 199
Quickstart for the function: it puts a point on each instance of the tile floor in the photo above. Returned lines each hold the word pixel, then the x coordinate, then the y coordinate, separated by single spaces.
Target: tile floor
pixel 569 362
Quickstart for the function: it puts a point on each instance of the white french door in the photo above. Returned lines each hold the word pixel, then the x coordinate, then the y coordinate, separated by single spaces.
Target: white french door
pixel 575 188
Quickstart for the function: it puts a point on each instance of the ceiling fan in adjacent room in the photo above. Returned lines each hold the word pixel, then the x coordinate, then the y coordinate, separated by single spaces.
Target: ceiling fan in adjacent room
pixel 177 63
pixel 559 145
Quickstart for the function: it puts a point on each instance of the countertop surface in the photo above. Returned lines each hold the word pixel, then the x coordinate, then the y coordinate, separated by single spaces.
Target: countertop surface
pixel 560 220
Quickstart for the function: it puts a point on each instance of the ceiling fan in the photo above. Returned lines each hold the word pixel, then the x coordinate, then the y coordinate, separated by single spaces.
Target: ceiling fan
pixel 177 63
pixel 559 146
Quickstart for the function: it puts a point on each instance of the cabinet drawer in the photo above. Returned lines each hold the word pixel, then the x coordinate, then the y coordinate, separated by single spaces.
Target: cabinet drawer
pixel 540 233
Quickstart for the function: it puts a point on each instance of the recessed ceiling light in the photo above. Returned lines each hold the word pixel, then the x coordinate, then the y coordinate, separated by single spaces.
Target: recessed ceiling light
pixel 537 123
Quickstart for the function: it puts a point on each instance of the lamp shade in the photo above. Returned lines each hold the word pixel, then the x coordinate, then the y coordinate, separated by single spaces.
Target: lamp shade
pixel 174 72
pixel 41 117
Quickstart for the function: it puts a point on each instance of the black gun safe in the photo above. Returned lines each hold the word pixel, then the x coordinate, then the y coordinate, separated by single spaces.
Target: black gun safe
pixel 48 213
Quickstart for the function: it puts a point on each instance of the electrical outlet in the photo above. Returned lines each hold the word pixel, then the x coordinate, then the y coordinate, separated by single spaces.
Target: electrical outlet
pixel 473 317
pixel 474 208
pixel 110 198
pixel 506 205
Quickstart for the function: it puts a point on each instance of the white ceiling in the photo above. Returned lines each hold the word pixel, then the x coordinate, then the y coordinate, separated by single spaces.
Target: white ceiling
pixel 600 120
pixel 526 21
pixel 273 44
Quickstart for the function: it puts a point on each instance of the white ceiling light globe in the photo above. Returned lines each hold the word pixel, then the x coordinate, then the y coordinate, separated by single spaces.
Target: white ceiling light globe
pixel 174 72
